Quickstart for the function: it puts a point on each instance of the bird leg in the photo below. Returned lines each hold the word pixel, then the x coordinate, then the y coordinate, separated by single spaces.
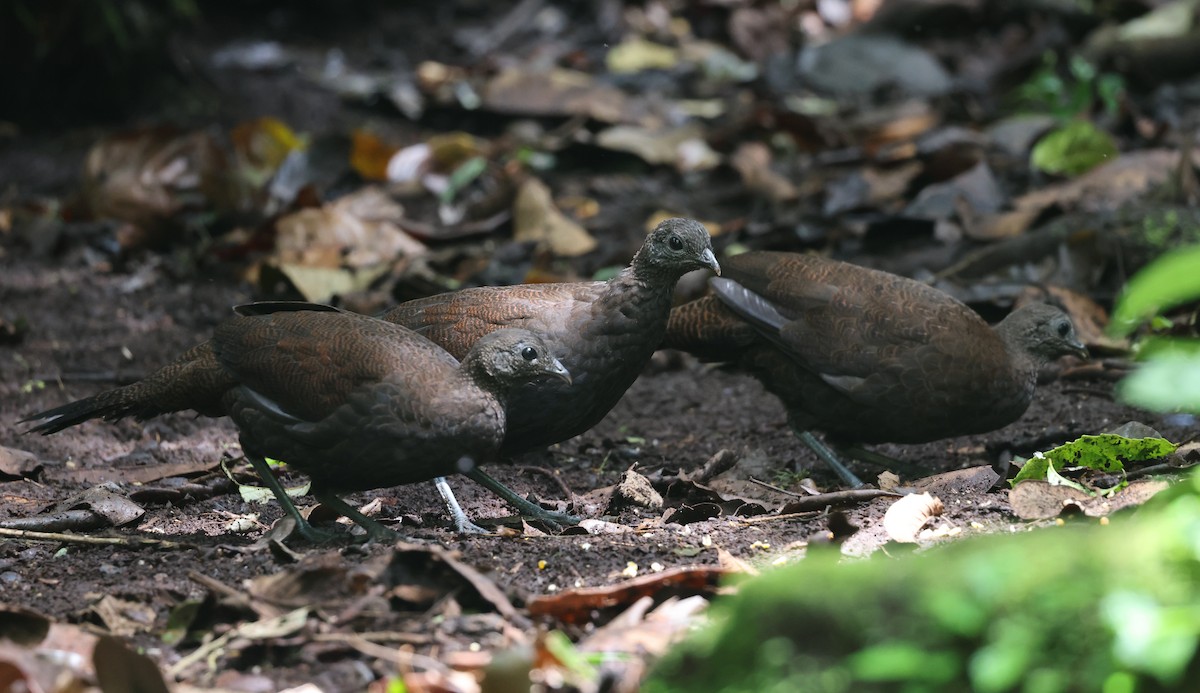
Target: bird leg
pixel 303 527
pixel 828 456
pixel 462 523
pixel 375 530
pixel 523 506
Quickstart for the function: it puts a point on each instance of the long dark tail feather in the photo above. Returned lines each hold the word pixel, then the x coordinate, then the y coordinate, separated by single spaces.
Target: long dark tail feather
pixel 194 381
pixel 110 406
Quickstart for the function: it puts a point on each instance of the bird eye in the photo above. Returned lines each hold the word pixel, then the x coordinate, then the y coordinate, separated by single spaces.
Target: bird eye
pixel 675 243
pixel 529 353
pixel 1064 329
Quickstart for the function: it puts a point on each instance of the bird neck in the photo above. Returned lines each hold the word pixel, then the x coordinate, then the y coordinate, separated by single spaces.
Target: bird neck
pixel 642 281
pixel 633 302
pixel 480 372
pixel 1014 334
pixel 647 273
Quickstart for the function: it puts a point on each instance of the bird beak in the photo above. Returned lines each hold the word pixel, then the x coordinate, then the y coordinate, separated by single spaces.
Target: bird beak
pixel 710 260
pixel 560 371
pixel 1079 349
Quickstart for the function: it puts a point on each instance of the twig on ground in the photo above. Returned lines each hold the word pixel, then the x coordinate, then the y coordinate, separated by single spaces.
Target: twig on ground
pixel 85 539
pixel 759 519
pixel 777 489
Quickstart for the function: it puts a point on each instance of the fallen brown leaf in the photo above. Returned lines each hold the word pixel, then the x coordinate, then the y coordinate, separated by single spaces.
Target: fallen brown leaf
pixel 577 605
pixel 1041 500
pixel 537 219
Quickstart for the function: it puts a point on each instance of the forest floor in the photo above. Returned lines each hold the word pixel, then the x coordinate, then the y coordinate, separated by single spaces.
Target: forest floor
pixel 187 577
pixel 675 417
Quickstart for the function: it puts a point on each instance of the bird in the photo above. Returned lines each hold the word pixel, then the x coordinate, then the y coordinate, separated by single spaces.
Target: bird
pixel 867 356
pixel 604 332
pixel 354 402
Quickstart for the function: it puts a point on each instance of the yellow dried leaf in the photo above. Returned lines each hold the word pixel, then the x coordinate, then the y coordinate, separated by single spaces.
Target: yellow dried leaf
pixel 369 155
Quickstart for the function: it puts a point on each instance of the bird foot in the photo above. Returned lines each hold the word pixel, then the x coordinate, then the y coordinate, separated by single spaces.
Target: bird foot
pixel 318 536
pixel 556 521
pixel 382 533
pixel 465 526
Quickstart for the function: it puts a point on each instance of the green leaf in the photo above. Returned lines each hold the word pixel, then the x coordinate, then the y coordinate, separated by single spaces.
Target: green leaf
pixel 1074 148
pixel 1109 88
pixel 1150 348
pixel 262 494
pixel 1168 382
pixel 1057 479
pixel 559 645
pixel 1103 453
pixel 463 176
pixel 180 620
pixel 1170 280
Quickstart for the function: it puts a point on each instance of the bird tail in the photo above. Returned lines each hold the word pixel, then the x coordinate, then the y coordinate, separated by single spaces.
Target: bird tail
pixel 109 405
pixel 194 381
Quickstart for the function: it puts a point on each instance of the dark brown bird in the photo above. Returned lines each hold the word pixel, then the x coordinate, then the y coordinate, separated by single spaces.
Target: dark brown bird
pixel 603 332
pixel 867 356
pixel 354 402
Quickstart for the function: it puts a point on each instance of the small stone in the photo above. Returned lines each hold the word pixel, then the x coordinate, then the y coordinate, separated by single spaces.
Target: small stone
pixel 634 490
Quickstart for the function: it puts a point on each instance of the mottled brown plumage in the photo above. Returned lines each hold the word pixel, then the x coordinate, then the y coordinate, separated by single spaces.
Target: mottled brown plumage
pixel 604 332
pixel 868 356
pixel 354 402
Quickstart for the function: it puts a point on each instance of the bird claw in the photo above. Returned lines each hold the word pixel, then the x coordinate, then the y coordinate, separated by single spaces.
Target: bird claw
pixel 380 533
pixel 318 536
pixel 467 527
pixel 554 520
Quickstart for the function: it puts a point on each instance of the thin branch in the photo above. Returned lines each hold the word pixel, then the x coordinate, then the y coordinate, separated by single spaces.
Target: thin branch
pixel 86 539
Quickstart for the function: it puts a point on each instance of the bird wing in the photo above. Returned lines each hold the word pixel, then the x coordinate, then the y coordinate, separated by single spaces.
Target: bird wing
pixel 456 320
pixel 855 328
pixel 310 363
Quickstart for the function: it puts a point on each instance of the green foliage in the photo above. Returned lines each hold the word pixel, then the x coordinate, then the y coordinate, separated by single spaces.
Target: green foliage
pixel 1072 149
pixel 1169 377
pixel 1077 145
pixel 179 621
pixel 1047 91
pixel 1078 608
pixel 1168 382
pixel 788 478
pixel 1168 228
pixel 574 662
pixel 464 175
pixel 1106 453
pixel 1172 279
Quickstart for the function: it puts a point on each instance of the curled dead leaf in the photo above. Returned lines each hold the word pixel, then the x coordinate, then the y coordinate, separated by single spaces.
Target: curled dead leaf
pixel 905 518
pixel 145 177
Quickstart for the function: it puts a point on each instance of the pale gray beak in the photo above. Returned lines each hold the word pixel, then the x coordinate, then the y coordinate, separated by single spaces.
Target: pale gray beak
pixel 559 371
pixel 710 260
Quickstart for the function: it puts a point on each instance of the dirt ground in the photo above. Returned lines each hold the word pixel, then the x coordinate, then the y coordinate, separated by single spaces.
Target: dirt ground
pixel 90 329
pixel 92 326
